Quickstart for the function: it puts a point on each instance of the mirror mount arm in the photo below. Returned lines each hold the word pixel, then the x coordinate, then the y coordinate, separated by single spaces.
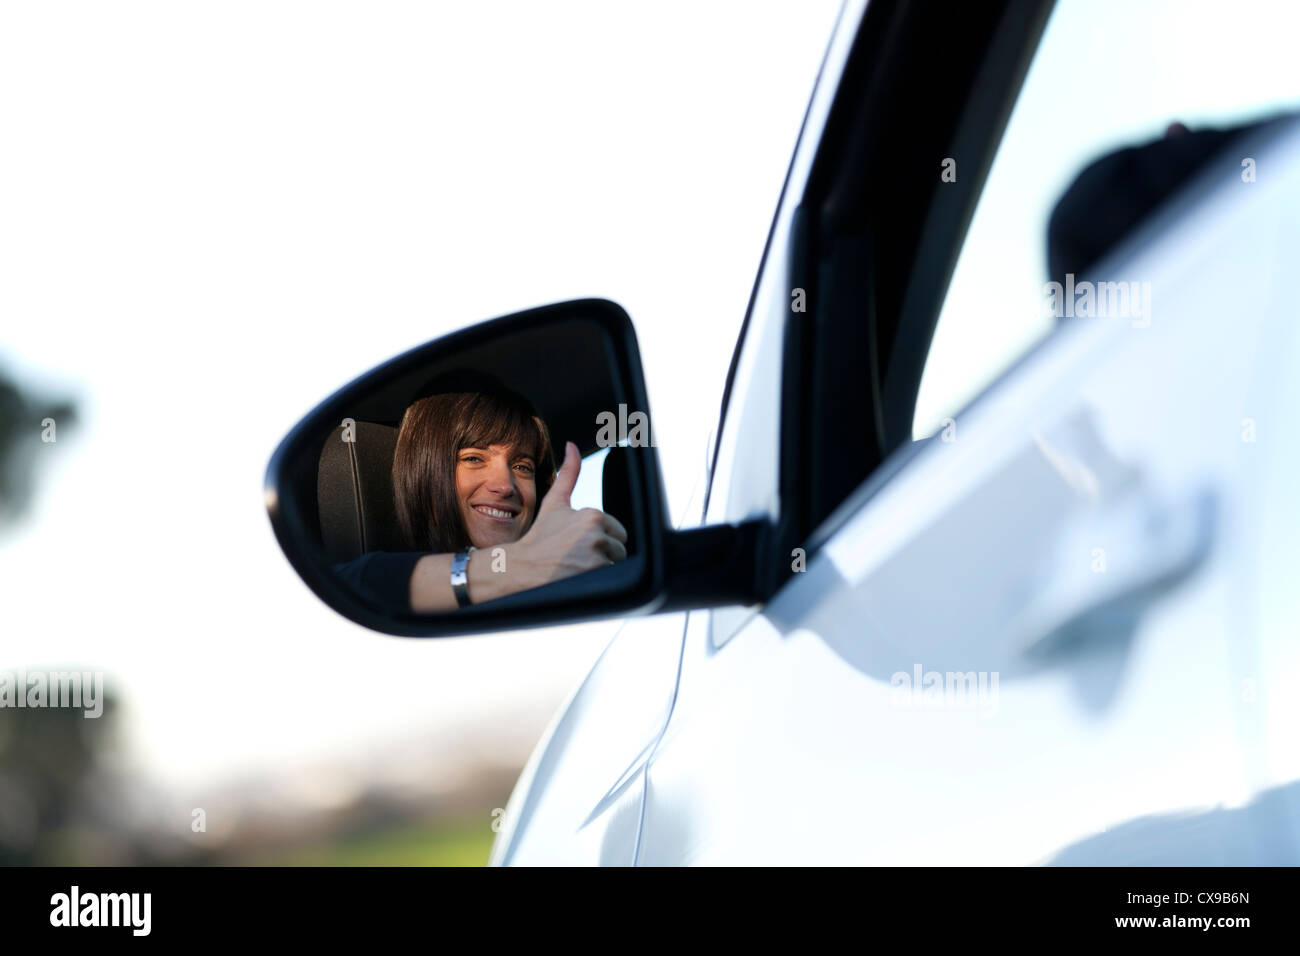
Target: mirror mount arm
pixel 715 566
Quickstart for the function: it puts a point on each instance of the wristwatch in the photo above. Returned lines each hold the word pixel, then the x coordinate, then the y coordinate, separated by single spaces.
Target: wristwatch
pixel 460 576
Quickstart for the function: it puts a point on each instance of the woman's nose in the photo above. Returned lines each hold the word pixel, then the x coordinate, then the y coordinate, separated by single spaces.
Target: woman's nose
pixel 500 478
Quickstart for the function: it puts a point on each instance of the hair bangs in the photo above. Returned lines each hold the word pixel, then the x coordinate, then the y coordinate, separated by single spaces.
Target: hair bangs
pixel 496 420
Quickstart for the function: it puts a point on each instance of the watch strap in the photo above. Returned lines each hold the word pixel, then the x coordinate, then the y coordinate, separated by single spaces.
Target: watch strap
pixel 460 576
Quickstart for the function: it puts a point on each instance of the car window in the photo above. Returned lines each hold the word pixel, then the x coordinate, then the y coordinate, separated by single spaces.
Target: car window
pixel 589 491
pixel 1107 74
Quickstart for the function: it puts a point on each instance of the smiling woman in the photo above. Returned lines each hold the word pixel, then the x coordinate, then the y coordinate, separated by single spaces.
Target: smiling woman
pixel 473 468
pixel 427 497
pixel 470 469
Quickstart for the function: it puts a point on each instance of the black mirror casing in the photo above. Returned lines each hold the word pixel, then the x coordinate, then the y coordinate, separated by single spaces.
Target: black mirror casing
pixel 542 348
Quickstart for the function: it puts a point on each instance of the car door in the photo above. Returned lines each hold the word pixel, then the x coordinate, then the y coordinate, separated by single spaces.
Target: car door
pixel 578 799
pixel 1035 635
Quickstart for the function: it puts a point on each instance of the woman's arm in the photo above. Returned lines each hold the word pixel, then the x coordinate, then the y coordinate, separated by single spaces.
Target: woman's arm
pixel 561 543
pixel 431 590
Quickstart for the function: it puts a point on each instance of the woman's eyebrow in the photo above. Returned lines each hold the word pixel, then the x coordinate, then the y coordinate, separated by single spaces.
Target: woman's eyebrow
pixel 488 447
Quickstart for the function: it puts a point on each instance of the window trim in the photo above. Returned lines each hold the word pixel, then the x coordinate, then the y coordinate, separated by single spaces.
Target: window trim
pixel 878 162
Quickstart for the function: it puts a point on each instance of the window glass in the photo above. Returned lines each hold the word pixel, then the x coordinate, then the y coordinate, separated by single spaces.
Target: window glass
pixel 1107 74
pixel 589 491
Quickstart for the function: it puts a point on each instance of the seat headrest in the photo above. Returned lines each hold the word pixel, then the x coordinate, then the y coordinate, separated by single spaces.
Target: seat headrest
pixel 354 492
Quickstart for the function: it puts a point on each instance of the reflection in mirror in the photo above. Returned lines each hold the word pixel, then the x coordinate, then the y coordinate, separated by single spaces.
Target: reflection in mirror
pixel 478 474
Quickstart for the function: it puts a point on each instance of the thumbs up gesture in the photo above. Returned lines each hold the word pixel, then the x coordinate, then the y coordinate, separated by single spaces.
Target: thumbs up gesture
pixel 563 542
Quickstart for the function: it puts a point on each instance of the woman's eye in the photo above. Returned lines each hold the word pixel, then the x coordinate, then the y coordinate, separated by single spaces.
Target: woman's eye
pixel 471 458
pixel 527 468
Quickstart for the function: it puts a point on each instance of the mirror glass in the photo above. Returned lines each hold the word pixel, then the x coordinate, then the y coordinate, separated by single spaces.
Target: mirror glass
pixel 437 485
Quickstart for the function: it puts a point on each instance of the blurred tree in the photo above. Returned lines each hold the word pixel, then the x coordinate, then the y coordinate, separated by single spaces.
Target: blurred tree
pixel 46 754
pixel 50 776
pixel 22 428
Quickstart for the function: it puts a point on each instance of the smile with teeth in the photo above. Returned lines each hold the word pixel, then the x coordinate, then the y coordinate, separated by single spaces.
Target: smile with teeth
pixel 499 514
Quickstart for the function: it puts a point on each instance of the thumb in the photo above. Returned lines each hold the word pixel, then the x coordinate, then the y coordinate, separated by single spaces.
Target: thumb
pixel 565 479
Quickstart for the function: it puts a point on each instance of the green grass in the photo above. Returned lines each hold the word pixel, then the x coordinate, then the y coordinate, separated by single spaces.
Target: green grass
pixel 443 843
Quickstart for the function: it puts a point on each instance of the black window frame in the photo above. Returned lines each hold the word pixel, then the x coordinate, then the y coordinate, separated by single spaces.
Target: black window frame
pixel 874 242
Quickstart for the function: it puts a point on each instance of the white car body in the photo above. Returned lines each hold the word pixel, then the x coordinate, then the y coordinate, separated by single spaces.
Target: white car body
pixel 1099 568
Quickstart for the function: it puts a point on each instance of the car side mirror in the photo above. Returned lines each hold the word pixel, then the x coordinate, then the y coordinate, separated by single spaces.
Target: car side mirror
pixel 347 489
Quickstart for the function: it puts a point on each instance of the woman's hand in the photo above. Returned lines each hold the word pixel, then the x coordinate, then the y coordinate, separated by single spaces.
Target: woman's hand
pixel 563 542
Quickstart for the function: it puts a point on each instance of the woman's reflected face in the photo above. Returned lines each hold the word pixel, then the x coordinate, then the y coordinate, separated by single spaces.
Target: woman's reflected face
pixel 497 491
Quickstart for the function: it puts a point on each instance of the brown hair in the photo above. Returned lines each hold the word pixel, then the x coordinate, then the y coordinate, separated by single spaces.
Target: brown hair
pixel 432 433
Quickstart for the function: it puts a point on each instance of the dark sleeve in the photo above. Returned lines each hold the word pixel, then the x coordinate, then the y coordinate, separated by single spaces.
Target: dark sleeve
pixel 383 575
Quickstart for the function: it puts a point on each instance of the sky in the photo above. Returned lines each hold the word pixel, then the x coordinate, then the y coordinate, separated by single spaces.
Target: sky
pixel 216 214
pixel 213 215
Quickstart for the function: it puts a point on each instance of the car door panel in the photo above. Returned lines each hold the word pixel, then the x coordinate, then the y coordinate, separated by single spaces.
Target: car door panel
pixel 1078 568
pixel 578 800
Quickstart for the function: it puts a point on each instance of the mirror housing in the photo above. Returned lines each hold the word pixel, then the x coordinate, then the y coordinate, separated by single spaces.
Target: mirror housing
pixel 579 365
